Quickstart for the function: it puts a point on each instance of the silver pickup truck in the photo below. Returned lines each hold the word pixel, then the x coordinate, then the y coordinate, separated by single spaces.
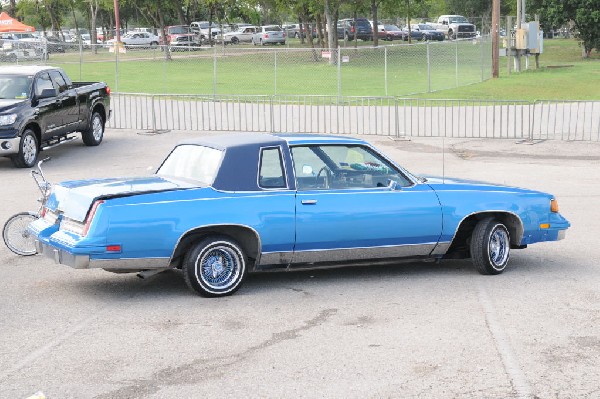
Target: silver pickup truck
pixel 455 27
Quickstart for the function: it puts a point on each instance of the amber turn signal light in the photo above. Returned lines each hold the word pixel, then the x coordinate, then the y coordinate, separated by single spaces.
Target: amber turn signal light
pixel 553 205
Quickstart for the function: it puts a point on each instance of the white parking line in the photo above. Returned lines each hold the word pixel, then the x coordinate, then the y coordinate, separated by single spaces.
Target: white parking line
pixel 511 365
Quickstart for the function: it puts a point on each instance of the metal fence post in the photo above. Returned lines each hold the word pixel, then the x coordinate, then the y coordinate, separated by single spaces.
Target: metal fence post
pixel 428 70
pixel 117 68
pixel 214 70
pixel 275 73
pixel 456 62
pixel 339 72
pixel 481 61
pixel 385 69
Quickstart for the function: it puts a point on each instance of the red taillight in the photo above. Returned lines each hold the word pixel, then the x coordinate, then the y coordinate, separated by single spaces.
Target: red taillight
pixel 107 90
pixel 352 29
pixel 43 212
pixel 283 34
pixel 266 36
pixel 113 248
pixel 90 217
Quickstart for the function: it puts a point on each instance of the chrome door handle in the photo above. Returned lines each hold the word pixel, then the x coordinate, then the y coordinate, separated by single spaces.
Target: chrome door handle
pixel 309 202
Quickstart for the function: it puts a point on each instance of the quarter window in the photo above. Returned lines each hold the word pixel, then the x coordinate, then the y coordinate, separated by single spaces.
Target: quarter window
pixel 271 173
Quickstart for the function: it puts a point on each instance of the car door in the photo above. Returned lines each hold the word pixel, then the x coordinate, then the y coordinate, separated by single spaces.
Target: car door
pixel 68 101
pixel 351 203
pixel 48 110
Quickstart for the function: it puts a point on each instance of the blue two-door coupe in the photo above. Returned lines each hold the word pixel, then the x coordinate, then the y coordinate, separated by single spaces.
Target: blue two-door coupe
pixel 221 206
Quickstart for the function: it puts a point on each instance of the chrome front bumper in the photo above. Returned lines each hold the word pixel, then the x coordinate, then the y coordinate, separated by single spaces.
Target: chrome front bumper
pixel 9 146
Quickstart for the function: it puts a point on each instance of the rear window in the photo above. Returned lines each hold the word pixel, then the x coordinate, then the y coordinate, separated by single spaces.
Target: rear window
pixel 193 162
pixel 272 29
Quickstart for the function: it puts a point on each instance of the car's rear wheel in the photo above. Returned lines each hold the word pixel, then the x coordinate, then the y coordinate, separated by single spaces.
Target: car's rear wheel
pixel 28 150
pixel 490 246
pixel 215 266
pixel 93 135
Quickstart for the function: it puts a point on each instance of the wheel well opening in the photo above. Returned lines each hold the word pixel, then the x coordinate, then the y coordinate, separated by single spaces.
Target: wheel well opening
pixel 246 237
pixel 37 131
pixel 461 242
pixel 100 109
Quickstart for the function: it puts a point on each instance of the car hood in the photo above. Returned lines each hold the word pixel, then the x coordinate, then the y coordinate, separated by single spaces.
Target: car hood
pixel 74 198
pixel 8 104
pixel 451 183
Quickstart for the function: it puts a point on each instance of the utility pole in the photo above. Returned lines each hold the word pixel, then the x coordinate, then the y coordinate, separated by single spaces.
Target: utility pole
pixel 495 38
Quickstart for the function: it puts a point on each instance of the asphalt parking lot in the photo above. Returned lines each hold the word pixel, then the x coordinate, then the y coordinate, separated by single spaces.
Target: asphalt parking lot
pixel 417 330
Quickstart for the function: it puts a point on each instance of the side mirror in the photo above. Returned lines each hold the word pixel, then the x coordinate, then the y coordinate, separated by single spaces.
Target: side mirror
pixel 47 93
pixel 392 185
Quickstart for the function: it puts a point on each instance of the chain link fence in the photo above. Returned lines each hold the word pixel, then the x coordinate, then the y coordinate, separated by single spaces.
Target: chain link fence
pixel 389 70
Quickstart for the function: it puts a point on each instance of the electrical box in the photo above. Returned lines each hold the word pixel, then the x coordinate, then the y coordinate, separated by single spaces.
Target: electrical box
pixel 533 31
pixel 521 39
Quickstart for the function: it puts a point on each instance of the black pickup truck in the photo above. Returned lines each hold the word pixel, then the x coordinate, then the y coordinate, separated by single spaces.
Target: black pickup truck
pixel 40 107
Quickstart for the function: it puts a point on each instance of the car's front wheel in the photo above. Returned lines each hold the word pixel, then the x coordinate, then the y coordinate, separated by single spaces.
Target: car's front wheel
pixel 490 246
pixel 215 266
pixel 234 40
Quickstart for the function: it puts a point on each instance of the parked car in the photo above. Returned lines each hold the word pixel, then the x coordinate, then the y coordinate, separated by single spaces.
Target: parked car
pixel 202 29
pixel 56 45
pixel 221 206
pixel 270 34
pixel 428 31
pixel 184 43
pixel 137 39
pixel 414 34
pixel 392 32
pixel 241 35
pixel 455 27
pixel 40 107
pixel 174 31
pixel 347 29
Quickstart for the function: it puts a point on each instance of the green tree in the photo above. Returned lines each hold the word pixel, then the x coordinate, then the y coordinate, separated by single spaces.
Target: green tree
pixel 584 14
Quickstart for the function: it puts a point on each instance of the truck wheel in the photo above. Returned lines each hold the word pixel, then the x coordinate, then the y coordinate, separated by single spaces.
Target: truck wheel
pixel 234 40
pixel 95 132
pixel 28 150
pixel 215 266
pixel 450 34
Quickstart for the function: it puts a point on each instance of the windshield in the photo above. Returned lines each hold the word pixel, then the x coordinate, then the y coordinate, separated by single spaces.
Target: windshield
pixel 192 162
pixel 15 87
pixel 426 27
pixel 391 28
pixel 460 20
pixel 178 30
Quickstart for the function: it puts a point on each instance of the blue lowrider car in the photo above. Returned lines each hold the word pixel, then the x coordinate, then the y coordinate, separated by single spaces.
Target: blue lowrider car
pixel 221 206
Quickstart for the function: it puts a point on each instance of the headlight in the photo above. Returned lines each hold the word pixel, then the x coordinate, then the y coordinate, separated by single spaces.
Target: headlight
pixel 7 119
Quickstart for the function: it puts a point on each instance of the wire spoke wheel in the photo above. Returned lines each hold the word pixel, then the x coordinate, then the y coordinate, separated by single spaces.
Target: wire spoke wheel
pixel 15 234
pixel 490 246
pixel 215 266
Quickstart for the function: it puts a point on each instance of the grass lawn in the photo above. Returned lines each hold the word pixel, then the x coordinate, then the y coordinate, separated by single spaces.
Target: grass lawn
pixel 399 70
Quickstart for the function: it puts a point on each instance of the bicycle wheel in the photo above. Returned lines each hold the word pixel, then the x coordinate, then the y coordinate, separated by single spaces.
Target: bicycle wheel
pixel 15 234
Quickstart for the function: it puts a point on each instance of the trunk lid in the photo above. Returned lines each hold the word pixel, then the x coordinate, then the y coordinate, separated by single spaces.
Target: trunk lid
pixel 74 198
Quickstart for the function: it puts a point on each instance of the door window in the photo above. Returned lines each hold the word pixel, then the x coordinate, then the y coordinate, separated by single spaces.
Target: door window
pixel 343 167
pixel 42 81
